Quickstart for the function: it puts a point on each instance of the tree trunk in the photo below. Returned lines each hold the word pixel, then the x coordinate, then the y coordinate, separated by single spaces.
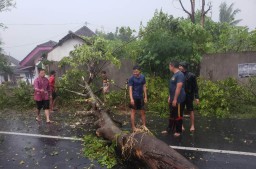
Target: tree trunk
pixel 140 145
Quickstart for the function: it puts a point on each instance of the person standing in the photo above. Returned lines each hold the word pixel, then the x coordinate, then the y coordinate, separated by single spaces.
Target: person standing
pixel 105 85
pixel 53 90
pixel 138 95
pixel 191 89
pixel 41 95
pixel 176 99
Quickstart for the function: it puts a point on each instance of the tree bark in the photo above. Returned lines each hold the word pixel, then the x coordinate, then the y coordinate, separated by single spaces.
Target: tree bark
pixel 140 145
pixel 203 12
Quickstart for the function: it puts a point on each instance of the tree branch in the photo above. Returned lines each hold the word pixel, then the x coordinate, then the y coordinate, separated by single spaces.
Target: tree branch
pixel 210 8
pixel 77 93
pixel 184 8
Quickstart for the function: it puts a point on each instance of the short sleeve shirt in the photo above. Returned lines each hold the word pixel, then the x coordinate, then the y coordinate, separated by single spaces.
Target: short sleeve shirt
pixel 137 84
pixel 177 78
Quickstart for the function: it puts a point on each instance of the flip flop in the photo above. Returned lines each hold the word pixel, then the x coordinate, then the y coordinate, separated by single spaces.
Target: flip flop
pixel 164 132
pixel 177 134
pixel 192 130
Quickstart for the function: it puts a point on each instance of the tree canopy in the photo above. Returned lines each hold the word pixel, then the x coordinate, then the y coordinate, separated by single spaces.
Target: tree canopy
pixel 228 14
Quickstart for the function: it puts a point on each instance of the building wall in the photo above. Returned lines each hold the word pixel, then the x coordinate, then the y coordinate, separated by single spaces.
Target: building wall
pixel 222 66
pixel 119 75
pixel 63 50
pixel 1 79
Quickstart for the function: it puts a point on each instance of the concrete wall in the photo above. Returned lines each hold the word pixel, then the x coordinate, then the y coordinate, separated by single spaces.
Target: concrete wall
pixel 222 66
pixel 63 50
pixel 119 75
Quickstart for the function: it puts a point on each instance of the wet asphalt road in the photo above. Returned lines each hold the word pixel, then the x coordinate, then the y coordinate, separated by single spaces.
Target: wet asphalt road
pixel 31 152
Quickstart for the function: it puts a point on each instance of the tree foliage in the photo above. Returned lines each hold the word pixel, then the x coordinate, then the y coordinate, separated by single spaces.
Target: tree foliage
pixel 228 13
pixel 6 5
pixel 87 60
pixel 4 64
pixel 166 38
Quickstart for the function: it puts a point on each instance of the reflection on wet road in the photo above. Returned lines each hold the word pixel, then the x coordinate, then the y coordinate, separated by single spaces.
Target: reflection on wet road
pixel 39 152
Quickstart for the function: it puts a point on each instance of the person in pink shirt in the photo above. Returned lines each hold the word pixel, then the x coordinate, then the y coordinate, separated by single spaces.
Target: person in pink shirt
pixel 42 95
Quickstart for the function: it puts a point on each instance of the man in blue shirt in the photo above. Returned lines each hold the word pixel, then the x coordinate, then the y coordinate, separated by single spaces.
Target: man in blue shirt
pixel 176 99
pixel 137 87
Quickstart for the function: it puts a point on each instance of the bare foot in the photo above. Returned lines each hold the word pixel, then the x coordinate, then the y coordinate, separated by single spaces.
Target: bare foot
pixel 49 121
pixel 164 132
pixel 183 129
pixel 134 129
pixel 176 134
pixel 192 129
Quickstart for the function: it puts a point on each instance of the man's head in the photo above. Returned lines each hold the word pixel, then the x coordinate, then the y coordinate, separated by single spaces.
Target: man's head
pixel 183 66
pixel 103 74
pixel 174 66
pixel 136 71
pixel 42 73
pixel 52 73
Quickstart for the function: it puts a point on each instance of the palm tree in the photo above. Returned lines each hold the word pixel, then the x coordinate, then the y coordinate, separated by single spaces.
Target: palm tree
pixel 227 14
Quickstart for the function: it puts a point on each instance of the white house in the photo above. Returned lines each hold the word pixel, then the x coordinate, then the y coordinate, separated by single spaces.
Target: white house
pixel 68 44
pixel 15 75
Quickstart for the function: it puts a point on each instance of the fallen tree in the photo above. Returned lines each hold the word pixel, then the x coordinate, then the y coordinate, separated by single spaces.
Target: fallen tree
pixel 88 61
pixel 140 144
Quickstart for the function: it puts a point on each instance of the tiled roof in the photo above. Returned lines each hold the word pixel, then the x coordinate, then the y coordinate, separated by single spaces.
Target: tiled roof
pixel 84 31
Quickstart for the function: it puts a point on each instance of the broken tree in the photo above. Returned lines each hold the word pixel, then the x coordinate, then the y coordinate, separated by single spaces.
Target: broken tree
pixel 140 145
pixel 88 61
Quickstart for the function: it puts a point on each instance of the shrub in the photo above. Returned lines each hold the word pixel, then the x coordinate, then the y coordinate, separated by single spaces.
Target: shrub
pixel 226 97
pixel 18 98
pixel 158 93
pixel 100 150
pixel 119 98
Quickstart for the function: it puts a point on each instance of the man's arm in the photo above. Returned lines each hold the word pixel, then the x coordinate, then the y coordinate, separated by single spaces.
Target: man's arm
pixel 195 87
pixel 145 93
pixel 177 93
pixel 48 88
pixel 36 86
pixel 131 96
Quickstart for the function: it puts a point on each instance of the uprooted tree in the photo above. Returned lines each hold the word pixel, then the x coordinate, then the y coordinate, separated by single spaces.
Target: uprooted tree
pixel 85 63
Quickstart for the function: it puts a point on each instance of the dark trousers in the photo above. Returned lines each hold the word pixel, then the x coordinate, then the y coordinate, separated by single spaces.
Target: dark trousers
pixel 176 115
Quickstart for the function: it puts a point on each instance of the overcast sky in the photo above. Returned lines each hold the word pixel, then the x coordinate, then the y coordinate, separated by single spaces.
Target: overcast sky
pixel 54 18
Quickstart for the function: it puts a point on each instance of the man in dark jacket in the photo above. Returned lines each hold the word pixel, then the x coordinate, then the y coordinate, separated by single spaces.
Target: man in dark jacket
pixel 191 90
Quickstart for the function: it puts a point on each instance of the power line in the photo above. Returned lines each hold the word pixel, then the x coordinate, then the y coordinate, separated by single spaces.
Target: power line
pixel 41 24
pixel 38 42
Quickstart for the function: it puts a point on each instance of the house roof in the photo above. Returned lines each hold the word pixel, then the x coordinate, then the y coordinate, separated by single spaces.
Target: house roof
pixel 47 44
pixel 83 31
pixel 12 60
pixel 39 49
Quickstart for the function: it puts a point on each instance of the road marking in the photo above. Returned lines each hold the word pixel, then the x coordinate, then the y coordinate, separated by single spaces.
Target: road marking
pixel 174 147
pixel 214 150
pixel 42 136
